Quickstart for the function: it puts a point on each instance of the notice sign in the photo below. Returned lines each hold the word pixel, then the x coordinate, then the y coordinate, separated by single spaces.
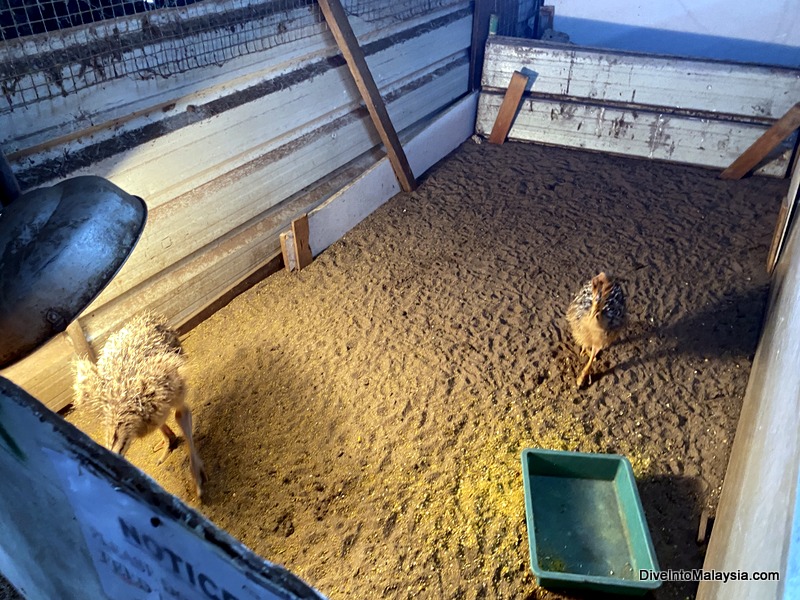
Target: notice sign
pixel 141 555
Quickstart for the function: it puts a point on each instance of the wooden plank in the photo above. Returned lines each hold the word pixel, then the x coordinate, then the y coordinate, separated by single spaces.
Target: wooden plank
pixel 356 62
pixel 123 104
pixel 480 33
pixel 444 134
pixel 777 235
pixel 785 216
pixel 508 109
pixel 702 528
pixel 630 132
pixel 302 249
pixel 770 139
pixel 546 19
pixel 287 251
pixel 77 336
pixel 757 520
pixel 752 93
pixel 170 165
pixel 118 100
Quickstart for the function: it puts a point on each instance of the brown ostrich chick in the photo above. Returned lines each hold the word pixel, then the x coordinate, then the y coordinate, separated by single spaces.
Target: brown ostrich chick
pixel 597 317
pixel 136 384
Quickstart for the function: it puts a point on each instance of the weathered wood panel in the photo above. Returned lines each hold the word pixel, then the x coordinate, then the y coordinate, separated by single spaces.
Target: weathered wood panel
pixel 757 526
pixel 649 134
pixel 136 86
pixel 752 92
pixel 667 108
pixel 224 255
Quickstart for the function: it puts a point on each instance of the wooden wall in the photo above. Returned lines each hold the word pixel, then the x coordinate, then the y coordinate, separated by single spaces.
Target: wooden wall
pixel 757 525
pixel 225 155
pixel 668 108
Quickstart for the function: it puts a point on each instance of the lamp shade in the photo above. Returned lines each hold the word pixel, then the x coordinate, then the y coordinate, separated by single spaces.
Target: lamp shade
pixel 59 247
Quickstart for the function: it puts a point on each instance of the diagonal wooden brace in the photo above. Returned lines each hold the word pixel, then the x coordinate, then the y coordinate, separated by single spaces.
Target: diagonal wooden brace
pixel 354 56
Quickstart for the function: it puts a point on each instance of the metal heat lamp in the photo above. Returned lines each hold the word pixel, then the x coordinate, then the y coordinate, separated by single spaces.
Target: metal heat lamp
pixel 59 247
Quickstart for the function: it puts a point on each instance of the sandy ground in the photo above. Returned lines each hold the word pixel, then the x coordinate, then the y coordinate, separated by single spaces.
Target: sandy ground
pixel 362 421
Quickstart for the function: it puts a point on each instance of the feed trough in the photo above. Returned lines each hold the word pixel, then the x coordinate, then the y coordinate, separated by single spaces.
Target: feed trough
pixel 586 526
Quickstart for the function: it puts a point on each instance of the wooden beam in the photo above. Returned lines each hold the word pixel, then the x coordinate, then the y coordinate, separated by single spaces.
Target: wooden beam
pixel 784 218
pixel 509 107
pixel 480 33
pixel 302 249
pixel 779 131
pixel 287 250
pixel 777 235
pixel 77 336
pixel 357 63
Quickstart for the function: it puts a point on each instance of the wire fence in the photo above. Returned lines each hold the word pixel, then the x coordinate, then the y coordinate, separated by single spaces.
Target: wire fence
pixel 51 48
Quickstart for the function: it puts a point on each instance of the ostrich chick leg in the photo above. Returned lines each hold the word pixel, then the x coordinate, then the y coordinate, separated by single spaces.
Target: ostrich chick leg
pixel 585 371
pixel 170 442
pixel 184 418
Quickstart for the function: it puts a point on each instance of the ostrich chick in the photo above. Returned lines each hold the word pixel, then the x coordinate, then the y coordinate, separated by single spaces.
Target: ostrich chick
pixel 597 317
pixel 136 384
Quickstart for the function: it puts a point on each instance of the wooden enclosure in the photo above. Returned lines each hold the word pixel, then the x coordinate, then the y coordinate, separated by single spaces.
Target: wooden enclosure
pixel 254 121
pixel 227 149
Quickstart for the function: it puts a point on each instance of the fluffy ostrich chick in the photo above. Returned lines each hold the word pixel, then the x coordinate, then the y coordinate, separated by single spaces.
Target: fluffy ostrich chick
pixel 136 384
pixel 597 317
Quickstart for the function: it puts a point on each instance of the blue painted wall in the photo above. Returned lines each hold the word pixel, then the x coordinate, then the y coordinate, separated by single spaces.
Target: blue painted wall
pixel 765 32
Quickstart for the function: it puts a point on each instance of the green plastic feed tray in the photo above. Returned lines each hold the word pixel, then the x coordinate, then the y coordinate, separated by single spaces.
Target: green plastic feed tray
pixel 586 526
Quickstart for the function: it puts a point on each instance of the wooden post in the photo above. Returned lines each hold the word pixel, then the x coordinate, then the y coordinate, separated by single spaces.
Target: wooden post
pixel 354 56
pixel 81 345
pixel 302 249
pixel 773 136
pixel 508 109
pixel 545 21
pixel 480 33
pixel 784 218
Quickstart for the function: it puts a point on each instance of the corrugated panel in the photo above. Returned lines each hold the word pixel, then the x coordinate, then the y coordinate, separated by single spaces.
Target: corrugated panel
pixel 644 133
pixel 668 108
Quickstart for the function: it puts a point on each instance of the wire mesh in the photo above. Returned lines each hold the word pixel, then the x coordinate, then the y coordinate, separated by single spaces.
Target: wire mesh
pixel 161 42
pixel 400 10
pixel 52 48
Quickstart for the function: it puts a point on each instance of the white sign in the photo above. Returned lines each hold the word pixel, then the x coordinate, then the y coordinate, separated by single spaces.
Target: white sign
pixel 139 554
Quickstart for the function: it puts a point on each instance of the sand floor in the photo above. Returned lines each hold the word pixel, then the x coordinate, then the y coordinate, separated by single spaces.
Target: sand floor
pixel 362 420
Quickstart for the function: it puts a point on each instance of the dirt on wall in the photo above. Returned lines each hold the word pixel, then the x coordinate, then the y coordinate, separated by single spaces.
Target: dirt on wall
pixel 362 421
